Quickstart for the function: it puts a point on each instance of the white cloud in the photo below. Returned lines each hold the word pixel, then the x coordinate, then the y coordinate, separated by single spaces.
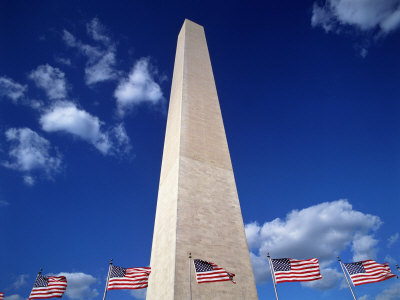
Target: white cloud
pixel 97 31
pixel 363 52
pixel 382 16
pixel 330 278
pixel 260 266
pixel 102 68
pixel 11 89
pixel 63 60
pixel 17 93
pixel 14 297
pixel 392 239
pixel 139 87
pixel 51 80
pixel 29 180
pixel 320 231
pixel 30 152
pixel 79 285
pixel 365 297
pixel 4 203
pixel 101 61
pixel 364 247
pixel 120 139
pixel 66 117
pixel 391 293
pixel 20 281
pixel 139 294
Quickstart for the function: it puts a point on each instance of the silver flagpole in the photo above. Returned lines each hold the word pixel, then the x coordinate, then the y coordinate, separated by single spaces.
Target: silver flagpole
pixel 273 275
pixel 190 275
pixel 108 277
pixel 348 282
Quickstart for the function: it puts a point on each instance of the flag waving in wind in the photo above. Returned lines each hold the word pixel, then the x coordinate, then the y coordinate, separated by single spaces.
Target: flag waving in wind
pixel 128 278
pixel 289 269
pixel 48 287
pixel 1 296
pixel 210 272
pixel 368 271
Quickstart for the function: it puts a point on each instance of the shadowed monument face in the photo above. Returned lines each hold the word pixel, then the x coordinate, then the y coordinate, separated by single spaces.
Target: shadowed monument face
pixel 198 209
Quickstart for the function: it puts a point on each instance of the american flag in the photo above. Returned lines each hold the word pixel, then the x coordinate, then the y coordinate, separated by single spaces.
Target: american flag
pixel 128 278
pixel 48 287
pixel 210 272
pixel 289 269
pixel 368 271
pixel 1 296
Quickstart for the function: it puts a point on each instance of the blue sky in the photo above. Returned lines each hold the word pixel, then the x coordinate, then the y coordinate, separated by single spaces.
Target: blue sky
pixel 309 93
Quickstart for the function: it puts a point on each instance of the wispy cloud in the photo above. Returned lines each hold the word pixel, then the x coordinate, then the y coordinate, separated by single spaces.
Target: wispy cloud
pixel 14 297
pixel 333 15
pixel 372 17
pixel 17 93
pixel 392 239
pixel 63 60
pixel 20 281
pixel 138 87
pixel 98 31
pixel 29 152
pixel 11 89
pixel 65 116
pixel 101 58
pixel 321 231
pixel 4 203
pixel 51 80
pixel 29 180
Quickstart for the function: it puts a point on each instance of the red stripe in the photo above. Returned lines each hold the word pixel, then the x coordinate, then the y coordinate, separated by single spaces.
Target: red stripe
pixel 214 281
pixel 297 280
pixel 208 277
pixel 356 284
pixel 128 288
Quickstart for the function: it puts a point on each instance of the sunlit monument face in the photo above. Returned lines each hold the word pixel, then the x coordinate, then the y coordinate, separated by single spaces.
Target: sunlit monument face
pixel 198 209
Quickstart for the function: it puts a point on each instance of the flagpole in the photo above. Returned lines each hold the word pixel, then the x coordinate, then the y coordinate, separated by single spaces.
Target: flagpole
pixel 108 277
pixel 39 273
pixel 190 275
pixel 273 275
pixel 348 282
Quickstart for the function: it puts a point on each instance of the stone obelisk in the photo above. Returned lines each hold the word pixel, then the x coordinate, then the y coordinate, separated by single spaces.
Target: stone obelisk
pixel 198 209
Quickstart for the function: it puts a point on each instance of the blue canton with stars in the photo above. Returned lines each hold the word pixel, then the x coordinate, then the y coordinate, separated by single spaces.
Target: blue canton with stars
pixel 355 268
pixel 281 264
pixel 41 281
pixel 117 272
pixel 202 266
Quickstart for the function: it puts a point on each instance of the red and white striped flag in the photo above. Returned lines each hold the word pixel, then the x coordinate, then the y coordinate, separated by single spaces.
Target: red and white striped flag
pixel 48 287
pixel 128 278
pixel 289 269
pixel 1 296
pixel 210 272
pixel 368 271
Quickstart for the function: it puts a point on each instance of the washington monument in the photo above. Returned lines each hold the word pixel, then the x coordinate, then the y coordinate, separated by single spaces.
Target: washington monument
pixel 198 209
